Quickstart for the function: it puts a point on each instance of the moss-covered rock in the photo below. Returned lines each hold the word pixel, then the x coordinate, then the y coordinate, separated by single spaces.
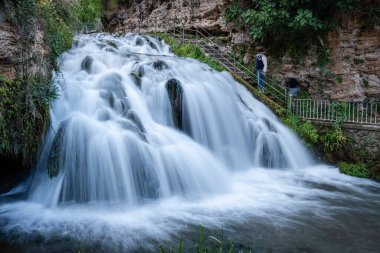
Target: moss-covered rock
pixel 175 92
pixel 112 44
pixel 56 154
pixel 136 79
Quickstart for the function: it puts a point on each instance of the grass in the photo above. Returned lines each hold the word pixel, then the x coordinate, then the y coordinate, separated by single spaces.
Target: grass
pixel 218 245
pixel 188 50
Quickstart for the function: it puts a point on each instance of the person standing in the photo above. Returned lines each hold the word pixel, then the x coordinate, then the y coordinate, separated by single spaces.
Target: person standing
pixel 261 68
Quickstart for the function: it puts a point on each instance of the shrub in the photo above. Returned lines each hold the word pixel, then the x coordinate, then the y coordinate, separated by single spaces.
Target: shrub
pixel 292 22
pixel 356 170
pixel 334 141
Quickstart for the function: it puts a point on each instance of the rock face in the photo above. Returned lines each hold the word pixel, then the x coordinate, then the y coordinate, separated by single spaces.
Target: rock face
pixel 13 61
pixel 353 71
pixel 191 13
pixel 8 49
pixel 355 49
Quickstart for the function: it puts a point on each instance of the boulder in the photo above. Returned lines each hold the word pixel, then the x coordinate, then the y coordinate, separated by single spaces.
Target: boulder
pixel 159 65
pixel 175 92
pixel 87 63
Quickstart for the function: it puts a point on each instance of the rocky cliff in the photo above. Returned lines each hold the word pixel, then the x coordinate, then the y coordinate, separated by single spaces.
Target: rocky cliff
pixel 20 56
pixel 352 72
pixel 352 50
pixel 150 15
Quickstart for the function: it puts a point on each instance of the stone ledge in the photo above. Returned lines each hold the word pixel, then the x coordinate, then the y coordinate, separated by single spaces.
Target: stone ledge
pixel 365 127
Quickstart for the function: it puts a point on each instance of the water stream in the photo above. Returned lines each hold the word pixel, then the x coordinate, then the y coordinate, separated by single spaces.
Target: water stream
pixel 146 146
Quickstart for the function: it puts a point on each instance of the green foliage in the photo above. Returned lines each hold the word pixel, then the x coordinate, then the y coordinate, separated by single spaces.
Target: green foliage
pixel 356 170
pixel 339 79
pixel 334 141
pixel 232 12
pixel 339 110
pixel 287 23
pixel 191 51
pixel 58 32
pixel 24 113
pixel 90 10
pixel 206 245
pixel 305 129
pixel 323 56
pixel 366 83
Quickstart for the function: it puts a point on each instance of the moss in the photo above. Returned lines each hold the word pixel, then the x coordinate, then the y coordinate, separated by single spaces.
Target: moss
pixel 356 170
pixel 24 116
pixel 190 51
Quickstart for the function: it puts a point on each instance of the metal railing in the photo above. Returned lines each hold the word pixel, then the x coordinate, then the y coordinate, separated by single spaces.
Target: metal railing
pixel 345 112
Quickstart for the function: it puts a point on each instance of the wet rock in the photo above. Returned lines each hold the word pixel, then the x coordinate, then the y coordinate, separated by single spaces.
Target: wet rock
pixel 108 96
pixel 129 125
pixel 101 45
pixel 112 44
pixel 112 83
pixel 137 75
pixel 160 65
pixel 269 125
pixel 146 180
pixel 87 63
pixel 110 49
pixel 271 154
pixel 136 79
pixel 175 92
pixel 139 42
pixel 104 115
pixel 56 154
pixel 152 45
pixel 132 116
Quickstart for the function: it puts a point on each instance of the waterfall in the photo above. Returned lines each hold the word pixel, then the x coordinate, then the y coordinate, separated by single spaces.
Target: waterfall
pixel 144 145
pixel 133 122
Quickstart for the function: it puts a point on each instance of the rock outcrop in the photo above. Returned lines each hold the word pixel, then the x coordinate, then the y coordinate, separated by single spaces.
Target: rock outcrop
pixel 150 15
pixel 18 58
pixel 353 70
pixel 8 49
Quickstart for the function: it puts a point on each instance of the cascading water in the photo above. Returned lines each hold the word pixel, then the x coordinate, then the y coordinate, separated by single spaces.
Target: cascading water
pixel 144 144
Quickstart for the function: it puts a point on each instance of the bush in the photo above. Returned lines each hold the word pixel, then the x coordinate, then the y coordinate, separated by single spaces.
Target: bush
pixel 334 141
pixel 287 24
pixel 356 170
pixel 305 129
pixel 58 33
pixel 24 114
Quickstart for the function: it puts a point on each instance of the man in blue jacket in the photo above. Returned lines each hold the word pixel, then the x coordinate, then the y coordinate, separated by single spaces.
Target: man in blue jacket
pixel 261 68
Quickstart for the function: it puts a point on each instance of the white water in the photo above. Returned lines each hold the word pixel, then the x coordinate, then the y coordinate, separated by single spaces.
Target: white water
pixel 122 186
